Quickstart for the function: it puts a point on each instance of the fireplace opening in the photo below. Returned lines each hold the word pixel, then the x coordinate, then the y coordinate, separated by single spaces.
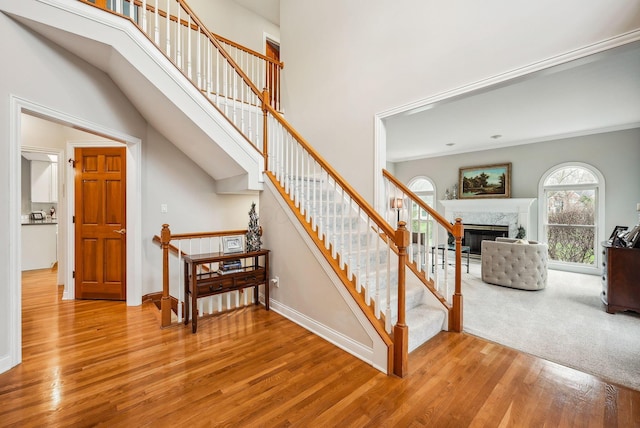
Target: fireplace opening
pixel 474 234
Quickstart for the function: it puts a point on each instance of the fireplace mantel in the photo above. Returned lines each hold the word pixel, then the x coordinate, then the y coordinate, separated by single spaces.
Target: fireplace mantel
pixel 513 212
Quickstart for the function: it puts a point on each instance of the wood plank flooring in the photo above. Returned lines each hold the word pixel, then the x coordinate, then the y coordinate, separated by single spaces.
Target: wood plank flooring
pixel 88 363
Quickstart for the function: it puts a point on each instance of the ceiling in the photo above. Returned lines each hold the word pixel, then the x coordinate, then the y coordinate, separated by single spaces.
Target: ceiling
pixel 269 9
pixel 595 94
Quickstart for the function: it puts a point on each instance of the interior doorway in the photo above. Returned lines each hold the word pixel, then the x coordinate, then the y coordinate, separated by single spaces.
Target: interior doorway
pixel 272 51
pixel 98 135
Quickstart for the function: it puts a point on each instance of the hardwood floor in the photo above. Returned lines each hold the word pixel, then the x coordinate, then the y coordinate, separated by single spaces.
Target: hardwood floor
pixel 88 363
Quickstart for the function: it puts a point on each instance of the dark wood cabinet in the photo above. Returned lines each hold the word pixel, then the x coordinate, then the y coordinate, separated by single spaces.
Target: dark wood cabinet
pixel 253 273
pixel 621 279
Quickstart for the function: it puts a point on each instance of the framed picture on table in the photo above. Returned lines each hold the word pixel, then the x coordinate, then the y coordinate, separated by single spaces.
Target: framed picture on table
pixel 232 244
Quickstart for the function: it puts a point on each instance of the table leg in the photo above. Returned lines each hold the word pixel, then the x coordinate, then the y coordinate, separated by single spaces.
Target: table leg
pixel 468 252
pixel 266 281
pixel 433 260
pixel 194 300
pixel 186 293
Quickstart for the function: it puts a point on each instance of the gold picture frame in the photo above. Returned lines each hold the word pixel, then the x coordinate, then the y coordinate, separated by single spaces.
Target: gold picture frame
pixel 485 181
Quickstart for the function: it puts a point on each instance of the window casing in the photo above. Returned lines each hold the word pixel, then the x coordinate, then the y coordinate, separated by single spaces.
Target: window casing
pixel 421 222
pixel 571 205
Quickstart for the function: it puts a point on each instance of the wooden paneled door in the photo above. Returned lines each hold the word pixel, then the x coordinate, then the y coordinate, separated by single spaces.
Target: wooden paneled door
pixel 99 3
pixel 100 223
pixel 273 76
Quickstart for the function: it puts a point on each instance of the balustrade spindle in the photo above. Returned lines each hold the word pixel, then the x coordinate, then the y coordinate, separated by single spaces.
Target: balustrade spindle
pixel 144 16
pixel 156 24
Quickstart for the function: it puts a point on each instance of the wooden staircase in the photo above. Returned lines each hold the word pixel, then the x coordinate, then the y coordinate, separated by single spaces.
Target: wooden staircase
pixel 367 254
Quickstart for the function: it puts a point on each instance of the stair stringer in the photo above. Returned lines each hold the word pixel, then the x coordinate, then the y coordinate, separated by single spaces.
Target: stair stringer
pixel 164 96
pixel 342 323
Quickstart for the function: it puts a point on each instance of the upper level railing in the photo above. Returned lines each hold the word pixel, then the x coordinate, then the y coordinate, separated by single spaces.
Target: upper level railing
pixel 233 82
pixel 263 71
pixel 432 239
pixel 366 253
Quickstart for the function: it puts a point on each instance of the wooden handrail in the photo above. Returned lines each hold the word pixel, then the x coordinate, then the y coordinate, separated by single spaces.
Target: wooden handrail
pixel 435 214
pixel 222 50
pixel 164 240
pixel 378 324
pixel 457 230
pixel 250 51
pixel 359 200
pixel 264 99
pixel 175 236
pixel 197 25
pixel 194 27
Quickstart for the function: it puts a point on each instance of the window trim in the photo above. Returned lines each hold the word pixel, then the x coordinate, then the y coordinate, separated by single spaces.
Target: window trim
pixel 599 213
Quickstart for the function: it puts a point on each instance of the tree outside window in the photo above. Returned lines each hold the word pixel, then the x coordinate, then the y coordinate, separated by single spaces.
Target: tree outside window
pixel 571 198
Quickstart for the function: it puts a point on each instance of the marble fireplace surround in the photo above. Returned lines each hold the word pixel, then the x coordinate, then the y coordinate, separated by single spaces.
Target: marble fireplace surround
pixel 512 212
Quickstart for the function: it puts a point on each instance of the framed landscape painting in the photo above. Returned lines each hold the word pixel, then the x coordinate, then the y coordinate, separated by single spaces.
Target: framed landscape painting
pixel 487 181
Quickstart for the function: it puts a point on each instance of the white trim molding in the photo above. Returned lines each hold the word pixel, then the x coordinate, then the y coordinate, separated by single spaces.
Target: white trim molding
pixel 18 106
pixel 484 85
pixel 596 269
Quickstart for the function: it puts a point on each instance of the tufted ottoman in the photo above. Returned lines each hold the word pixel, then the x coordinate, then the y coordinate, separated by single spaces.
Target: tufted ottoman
pixel 509 263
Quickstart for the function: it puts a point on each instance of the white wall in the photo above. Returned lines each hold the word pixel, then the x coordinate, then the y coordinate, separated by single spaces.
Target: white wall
pixel 228 19
pixel 170 177
pixel 46 75
pixel 310 293
pixel 346 61
pixel 615 154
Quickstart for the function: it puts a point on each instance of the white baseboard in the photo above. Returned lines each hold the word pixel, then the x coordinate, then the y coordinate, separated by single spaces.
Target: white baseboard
pixel 5 363
pixel 343 342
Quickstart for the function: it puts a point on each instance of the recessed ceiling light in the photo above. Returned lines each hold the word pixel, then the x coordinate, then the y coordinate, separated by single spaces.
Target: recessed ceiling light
pixel 495 137
pixel 450 144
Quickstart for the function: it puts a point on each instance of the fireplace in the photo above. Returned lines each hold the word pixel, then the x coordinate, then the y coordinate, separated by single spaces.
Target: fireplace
pixel 474 234
pixel 490 218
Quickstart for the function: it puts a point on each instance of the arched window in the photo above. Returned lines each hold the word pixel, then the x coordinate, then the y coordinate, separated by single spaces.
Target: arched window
pixel 421 223
pixel 424 188
pixel 571 217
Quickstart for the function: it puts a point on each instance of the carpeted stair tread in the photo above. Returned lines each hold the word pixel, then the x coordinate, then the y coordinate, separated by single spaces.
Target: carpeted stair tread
pixel 424 322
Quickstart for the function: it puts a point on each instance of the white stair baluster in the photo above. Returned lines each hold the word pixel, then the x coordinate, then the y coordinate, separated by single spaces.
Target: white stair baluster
pixel 350 238
pixel 144 16
pixel 359 250
pixel 387 312
pixel 178 58
pixel 167 36
pixel 156 27
pixel 367 276
pixel 189 33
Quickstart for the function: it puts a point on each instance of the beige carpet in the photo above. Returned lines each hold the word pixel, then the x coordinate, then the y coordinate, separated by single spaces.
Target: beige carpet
pixel 565 323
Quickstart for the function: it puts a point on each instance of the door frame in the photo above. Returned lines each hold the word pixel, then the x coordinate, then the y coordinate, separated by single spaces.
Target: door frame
pixel 17 106
pixel 61 215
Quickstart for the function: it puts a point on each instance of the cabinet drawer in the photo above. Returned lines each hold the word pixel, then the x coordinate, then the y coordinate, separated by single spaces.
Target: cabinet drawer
pixel 250 278
pixel 213 286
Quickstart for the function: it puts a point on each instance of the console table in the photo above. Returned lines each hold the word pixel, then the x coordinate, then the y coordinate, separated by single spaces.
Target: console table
pixel 464 249
pixel 253 273
pixel 620 279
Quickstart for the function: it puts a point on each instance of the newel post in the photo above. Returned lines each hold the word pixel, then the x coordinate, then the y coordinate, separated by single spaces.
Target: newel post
pixel 401 330
pixel 165 301
pixel 265 134
pixel 456 320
